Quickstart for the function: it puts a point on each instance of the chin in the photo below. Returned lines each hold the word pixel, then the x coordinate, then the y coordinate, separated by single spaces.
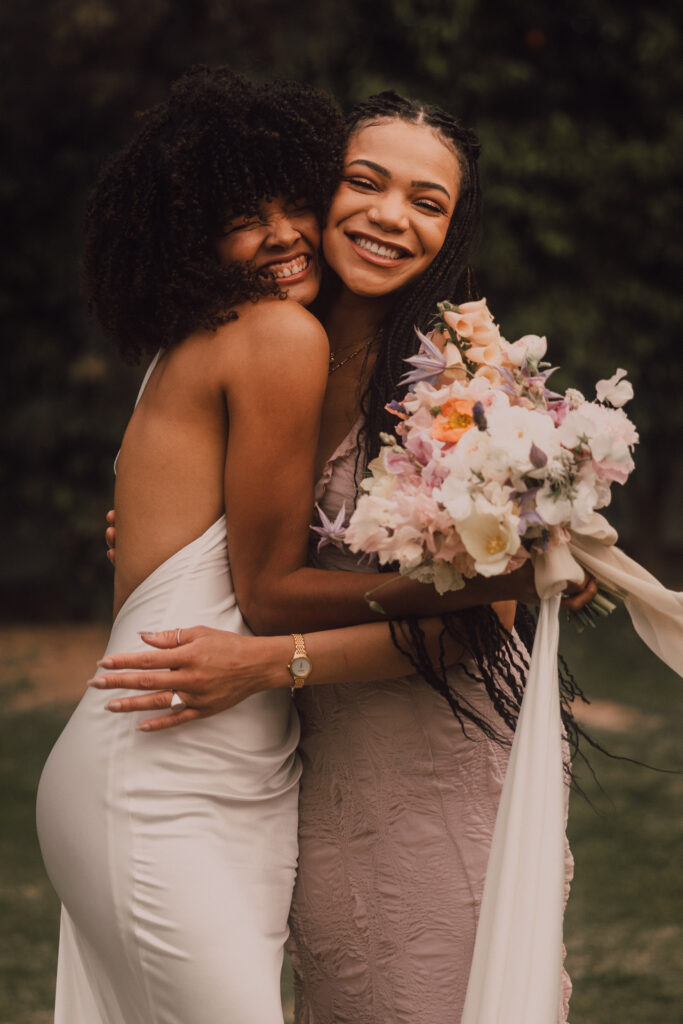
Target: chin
pixel 304 293
pixel 364 285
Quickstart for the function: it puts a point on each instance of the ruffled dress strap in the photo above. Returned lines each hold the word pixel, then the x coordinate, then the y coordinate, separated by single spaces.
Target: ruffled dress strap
pixel 345 448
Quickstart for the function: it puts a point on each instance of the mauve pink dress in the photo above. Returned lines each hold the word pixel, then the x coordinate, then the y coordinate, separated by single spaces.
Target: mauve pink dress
pixel 396 813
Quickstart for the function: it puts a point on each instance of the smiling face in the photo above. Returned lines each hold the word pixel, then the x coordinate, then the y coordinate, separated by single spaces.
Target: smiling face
pixel 282 240
pixel 390 215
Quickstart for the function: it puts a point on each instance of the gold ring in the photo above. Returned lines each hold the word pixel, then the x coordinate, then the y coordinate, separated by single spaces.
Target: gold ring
pixel 177 636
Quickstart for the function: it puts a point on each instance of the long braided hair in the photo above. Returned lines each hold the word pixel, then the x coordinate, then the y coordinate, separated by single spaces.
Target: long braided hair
pixel 497 659
pixel 448 276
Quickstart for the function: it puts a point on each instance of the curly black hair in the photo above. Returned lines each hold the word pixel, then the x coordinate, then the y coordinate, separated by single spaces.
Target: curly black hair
pixel 217 147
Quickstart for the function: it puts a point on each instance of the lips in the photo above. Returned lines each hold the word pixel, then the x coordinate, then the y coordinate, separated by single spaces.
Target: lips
pixel 290 269
pixel 376 250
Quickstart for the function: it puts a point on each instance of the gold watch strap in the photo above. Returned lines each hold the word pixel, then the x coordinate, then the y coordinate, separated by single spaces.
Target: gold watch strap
pixel 299 652
pixel 299 646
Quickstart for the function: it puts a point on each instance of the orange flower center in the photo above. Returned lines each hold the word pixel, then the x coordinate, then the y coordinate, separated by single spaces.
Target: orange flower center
pixel 459 420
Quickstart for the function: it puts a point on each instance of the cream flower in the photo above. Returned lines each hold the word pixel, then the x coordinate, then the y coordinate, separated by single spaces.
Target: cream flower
pixel 616 391
pixel 491 540
pixel 530 348
pixel 441 575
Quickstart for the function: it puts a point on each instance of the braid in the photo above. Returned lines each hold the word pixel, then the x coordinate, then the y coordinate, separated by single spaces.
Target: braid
pixel 448 277
pixel 495 658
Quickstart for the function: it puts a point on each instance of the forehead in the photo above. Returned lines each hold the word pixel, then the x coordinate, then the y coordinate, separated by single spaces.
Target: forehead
pixel 406 149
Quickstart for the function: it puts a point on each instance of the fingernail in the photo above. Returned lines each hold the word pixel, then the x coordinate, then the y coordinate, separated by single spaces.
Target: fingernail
pixel 105 663
pixel 144 727
pixel 99 682
pixel 114 705
pixel 146 632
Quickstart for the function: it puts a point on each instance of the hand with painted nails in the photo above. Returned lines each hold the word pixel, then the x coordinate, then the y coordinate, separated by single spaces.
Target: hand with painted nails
pixel 211 670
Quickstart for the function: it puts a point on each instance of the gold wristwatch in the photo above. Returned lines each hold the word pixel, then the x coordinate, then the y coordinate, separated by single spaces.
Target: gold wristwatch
pixel 300 666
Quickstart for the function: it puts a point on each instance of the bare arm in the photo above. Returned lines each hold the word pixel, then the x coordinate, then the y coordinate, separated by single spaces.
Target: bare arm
pixel 274 387
pixel 213 670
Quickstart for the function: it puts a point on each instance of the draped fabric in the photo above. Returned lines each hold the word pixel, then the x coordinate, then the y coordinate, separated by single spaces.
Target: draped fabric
pixel 517 955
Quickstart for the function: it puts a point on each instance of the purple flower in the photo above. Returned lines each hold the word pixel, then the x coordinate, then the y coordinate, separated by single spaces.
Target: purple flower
pixel 429 363
pixel 527 519
pixel 396 409
pixel 331 532
pixel 537 457
pixel 479 416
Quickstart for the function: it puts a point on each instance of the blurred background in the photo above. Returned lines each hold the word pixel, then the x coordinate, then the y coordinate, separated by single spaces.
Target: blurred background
pixel 578 106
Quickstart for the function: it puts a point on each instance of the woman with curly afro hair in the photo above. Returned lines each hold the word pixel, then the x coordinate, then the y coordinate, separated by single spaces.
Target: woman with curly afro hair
pixel 175 860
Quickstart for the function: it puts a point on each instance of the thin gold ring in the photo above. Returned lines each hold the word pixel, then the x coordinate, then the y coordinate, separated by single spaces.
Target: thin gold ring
pixel 177 636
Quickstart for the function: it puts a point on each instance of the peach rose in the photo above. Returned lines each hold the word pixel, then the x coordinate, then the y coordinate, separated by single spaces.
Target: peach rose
pixel 454 420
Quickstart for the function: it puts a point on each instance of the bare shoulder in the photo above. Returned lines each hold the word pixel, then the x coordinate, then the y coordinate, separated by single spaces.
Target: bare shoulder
pixel 272 332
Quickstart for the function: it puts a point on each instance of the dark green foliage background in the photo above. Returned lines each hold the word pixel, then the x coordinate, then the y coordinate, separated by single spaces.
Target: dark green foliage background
pixel 578 104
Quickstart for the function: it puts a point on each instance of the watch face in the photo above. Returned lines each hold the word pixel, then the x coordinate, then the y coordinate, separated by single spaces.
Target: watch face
pixel 301 666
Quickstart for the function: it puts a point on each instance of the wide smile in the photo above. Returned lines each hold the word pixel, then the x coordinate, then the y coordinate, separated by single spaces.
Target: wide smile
pixel 378 251
pixel 290 270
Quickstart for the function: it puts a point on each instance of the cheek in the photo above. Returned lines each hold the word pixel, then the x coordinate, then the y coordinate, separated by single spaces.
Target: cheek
pixel 435 238
pixel 310 229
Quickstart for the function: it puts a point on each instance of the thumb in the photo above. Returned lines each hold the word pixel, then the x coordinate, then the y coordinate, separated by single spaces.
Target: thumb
pixel 169 637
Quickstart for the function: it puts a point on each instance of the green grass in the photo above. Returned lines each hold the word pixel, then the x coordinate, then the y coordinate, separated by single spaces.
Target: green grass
pixel 624 928
pixel 624 925
pixel 29 909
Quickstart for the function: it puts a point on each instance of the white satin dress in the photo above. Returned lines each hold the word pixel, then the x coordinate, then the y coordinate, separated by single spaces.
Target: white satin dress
pixel 174 854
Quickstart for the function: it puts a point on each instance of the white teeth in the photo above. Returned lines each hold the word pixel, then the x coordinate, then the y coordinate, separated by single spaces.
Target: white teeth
pixel 379 250
pixel 280 270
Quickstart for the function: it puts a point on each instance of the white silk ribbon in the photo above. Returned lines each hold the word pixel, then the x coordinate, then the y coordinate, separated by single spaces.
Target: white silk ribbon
pixel 516 966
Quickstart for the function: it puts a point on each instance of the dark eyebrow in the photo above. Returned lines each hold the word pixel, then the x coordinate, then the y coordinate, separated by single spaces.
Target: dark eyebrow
pixel 387 174
pixel 375 167
pixel 430 184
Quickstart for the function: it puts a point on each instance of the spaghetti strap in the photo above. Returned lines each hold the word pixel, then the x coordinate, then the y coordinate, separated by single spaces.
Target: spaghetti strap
pixel 148 373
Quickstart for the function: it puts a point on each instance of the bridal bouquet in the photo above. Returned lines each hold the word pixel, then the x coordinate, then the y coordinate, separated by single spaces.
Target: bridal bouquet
pixel 490 465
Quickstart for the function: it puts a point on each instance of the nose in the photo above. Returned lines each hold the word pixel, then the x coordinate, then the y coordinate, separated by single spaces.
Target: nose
pixel 282 232
pixel 389 213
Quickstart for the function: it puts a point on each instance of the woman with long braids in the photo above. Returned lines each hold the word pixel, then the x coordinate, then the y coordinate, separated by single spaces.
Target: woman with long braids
pixel 400 786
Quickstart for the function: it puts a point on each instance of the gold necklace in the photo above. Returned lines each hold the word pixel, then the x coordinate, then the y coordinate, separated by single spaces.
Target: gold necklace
pixel 366 344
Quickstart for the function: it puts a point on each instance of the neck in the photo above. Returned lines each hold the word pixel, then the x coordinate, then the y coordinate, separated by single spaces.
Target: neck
pixel 351 319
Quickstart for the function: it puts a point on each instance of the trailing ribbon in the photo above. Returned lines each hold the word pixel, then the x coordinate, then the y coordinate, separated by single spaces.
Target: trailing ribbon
pixel 515 973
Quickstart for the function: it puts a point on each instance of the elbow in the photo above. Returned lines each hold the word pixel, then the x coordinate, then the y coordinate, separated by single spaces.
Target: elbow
pixel 264 611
